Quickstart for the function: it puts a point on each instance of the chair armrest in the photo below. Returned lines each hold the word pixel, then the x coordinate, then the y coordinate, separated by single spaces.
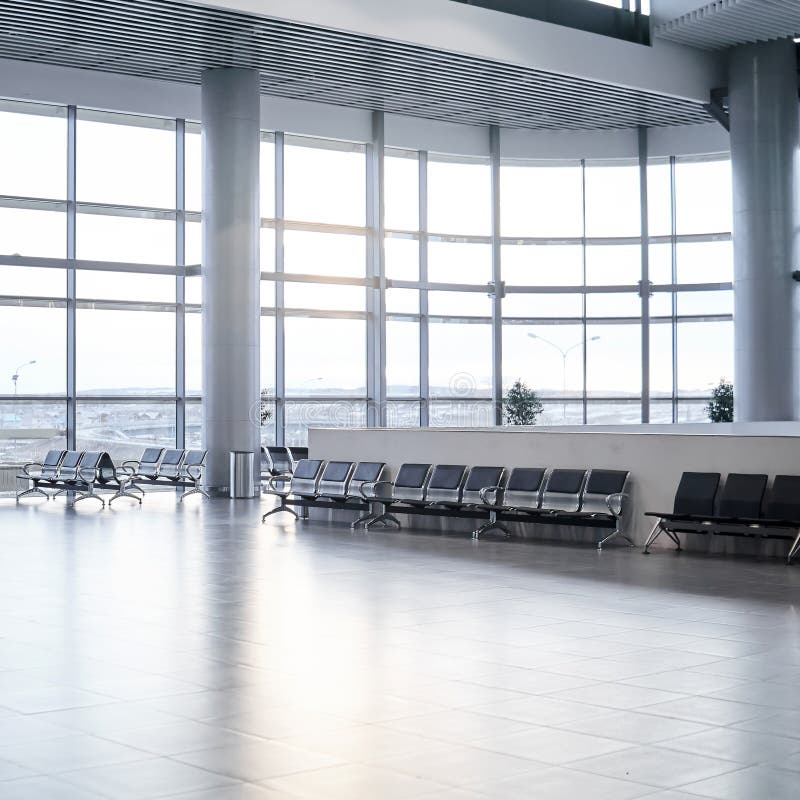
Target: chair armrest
pixel 485 491
pixel 123 472
pixel 26 469
pixel 195 471
pixel 283 478
pixel 616 503
pixel 133 464
pixel 87 474
pixel 374 485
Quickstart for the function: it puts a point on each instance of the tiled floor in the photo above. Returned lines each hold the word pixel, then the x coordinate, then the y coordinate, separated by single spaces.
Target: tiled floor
pixel 189 652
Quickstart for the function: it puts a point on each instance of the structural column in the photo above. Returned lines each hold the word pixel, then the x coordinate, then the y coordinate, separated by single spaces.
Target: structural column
pixel 231 304
pixel 765 136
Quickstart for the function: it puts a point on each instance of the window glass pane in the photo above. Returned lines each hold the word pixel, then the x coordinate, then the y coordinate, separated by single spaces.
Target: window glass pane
pixel 325 356
pixel 193 290
pixel 324 296
pixel 33 281
pixel 541 201
pixel 126 164
pixel 660 264
pixel 402 259
pixel 266 179
pixel 542 306
pixel 612 200
pixel 705 356
pixel 194 243
pixel 194 170
pixel 460 414
pixel 131 240
pixel 124 429
pixel 692 411
pixel 401 192
pixel 614 360
pixel 661 360
pixel 561 413
pixel 462 304
pixel 661 304
pixel 402 415
pixel 613 265
pixel 402 358
pixel 267 249
pixel 101 369
pixel 32 334
pixel 703 199
pixel 705 262
pixel 626 412
pixel 33 153
pixel 31 428
pixel 459 262
pixel 460 359
pixel 125 286
pixel 325 185
pixel 459 198
pixel 341 414
pixel 549 358
pixel 696 303
pixel 659 198
pixel 194 353
pixel 661 412
pixel 194 424
pixel 542 265
pixel 267 365
pixel 27 232
pixel 267 294
pixel 617 304
pixel 402 301
pixel 329 254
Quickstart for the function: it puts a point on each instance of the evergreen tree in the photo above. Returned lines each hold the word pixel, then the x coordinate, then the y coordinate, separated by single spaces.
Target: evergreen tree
pixel 720 407
pixel 521 405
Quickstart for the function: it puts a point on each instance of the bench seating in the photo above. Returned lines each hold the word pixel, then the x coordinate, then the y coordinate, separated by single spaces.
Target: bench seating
pixel 275 461
pixel 170 468
pixel 746 508
pixel 80 473
pixel 581 498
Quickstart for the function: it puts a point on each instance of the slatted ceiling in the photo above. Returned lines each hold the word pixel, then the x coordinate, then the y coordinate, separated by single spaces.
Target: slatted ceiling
pixel 725 23
pixel 176 41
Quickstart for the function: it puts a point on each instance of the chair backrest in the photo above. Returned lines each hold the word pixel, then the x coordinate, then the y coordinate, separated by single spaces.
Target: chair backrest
pixel 524 487
pixel 335 479
pixel 365 472
pixel 298 454
pixel 90 464
pixel 68 471
pixel 742 495
pixel 193 458
pixel 599 485
pixel 306 476
pixel 51 464
pixel 148 463
pixel 783 499
pixel 280 459
pixel 481 478
pixel 170 466
pixel 445 483
pixel 105 469
pixel 563 490
pixel 411 481
pixel 696 494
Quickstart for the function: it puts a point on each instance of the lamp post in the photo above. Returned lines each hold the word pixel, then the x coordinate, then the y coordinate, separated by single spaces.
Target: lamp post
pixel 15 376
pixel 564 353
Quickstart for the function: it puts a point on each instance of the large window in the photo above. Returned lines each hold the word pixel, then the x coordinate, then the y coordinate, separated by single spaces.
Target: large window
pixel 566 319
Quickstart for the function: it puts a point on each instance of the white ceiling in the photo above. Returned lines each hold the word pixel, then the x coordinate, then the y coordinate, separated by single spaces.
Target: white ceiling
pixel 727 23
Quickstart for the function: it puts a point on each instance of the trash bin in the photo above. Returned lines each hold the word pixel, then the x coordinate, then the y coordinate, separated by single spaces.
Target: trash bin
pixel 242 479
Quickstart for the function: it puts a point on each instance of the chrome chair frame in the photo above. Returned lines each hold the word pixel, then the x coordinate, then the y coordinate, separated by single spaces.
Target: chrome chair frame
pixel 299 485
pixel 48 473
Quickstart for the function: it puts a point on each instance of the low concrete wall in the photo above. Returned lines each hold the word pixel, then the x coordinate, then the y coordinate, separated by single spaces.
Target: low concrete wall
pixel 655 460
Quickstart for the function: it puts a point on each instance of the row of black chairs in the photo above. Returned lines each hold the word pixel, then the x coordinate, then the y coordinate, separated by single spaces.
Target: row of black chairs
pixel 83 473
pixel 748 506
pixel 571 497
pixel 280 460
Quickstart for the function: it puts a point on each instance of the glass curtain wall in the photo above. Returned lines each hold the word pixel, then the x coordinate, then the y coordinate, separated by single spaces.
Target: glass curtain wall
pixel 100 291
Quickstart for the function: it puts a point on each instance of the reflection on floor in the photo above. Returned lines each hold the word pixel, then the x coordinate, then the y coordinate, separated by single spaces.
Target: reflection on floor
pixel 189 652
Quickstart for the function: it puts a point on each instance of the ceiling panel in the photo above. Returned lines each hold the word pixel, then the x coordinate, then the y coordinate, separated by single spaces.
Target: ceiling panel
pixel 176 41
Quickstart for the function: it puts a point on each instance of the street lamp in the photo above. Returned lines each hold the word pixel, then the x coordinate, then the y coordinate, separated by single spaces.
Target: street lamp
pixel 564 353
pixel 15 376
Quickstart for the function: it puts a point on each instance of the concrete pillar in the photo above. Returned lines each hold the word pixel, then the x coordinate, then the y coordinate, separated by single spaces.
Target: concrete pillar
pixel 231 305
pixel 765 136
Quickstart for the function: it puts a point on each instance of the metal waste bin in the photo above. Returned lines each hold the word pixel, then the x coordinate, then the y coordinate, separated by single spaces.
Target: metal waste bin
pixel 242 479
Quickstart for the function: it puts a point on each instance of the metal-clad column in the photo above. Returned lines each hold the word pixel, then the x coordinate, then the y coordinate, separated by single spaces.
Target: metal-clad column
pixel 424 332
pixel 765 156
pixel 497 280
pixel 180 284
pixel 376 273
pixel 645 276
pixel 231 275
pixel 72 139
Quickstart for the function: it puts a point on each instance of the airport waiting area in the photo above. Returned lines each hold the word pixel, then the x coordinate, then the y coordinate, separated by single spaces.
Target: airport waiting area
pixel 399 401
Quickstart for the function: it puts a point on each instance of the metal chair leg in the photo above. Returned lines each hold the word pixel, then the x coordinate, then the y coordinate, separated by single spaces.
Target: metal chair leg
pixel 88 496
pixel 491 526
pixel 384 519
pixel 31 491
pixel 124 493
pixel 363 519
pixel 616 532
pixel 278 509
pixel 195 490
pixel 794 549
pixel 658 529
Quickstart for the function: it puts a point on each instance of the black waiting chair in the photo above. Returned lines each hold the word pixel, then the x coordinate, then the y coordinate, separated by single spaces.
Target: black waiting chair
pixel 191 472
pixel 408 488
pixel 522 494
pixel 335 480
pixel 303 484
pixel 446 485
pixel 42 475
pixel 604 500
